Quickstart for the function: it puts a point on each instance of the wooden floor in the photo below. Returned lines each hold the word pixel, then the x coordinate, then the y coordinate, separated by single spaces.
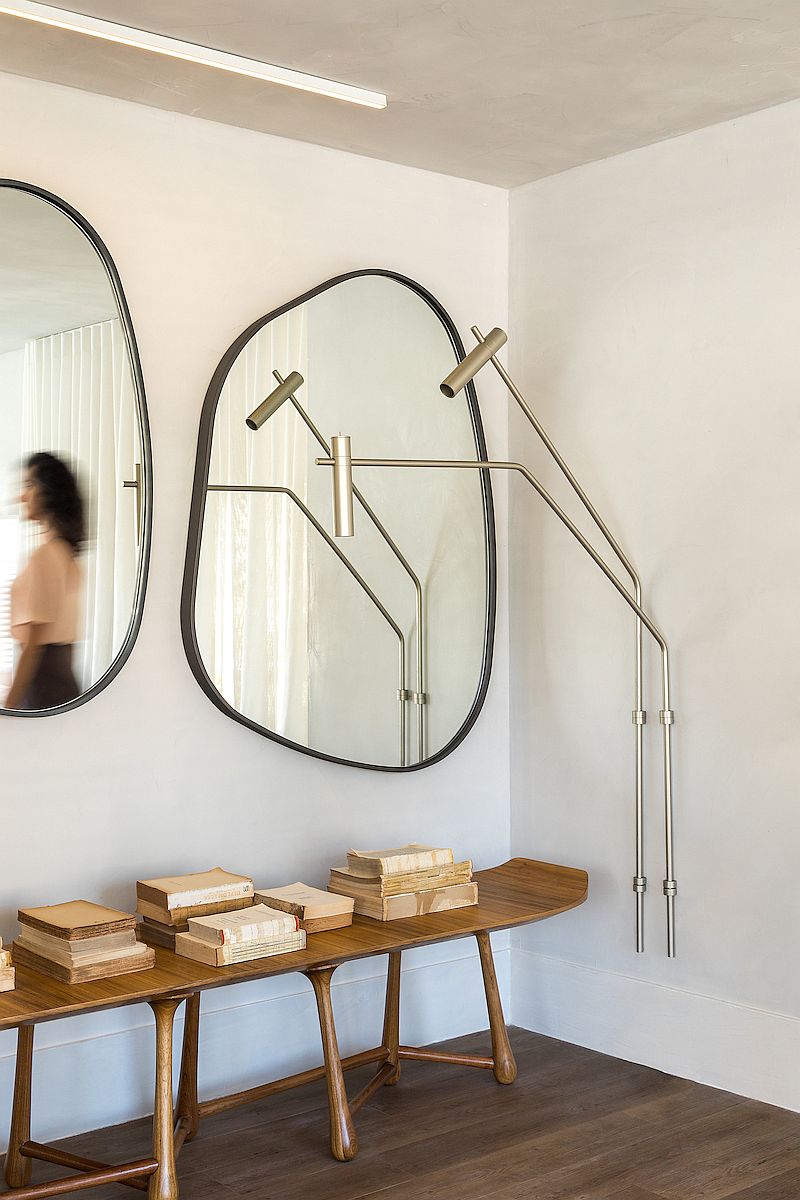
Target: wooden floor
pixel 575 1126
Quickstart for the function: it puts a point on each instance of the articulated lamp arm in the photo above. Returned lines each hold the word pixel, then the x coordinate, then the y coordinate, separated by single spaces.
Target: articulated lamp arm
pixel 342 463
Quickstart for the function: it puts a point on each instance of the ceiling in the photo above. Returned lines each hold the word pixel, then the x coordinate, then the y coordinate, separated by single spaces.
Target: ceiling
pixel 504 93
pixel 51 278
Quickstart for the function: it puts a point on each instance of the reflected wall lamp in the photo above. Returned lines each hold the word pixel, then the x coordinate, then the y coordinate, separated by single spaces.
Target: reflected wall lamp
pixel 342 462
pixel 206 56
pixel 286 390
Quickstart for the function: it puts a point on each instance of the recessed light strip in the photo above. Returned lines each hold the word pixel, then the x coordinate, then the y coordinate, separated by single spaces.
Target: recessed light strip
pixel 142 39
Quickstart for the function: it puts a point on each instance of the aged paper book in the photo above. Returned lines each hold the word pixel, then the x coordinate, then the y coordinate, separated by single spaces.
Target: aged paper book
pixel 139 958
pixel 223 956
pixel 257 923
pixel 358 884
pixel 415 904
pixel 202 887
pixel 179 916
pixel 413 857
pixel 316 910
pixel 76 919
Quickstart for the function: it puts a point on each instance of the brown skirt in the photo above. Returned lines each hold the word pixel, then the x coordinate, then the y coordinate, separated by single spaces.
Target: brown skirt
pixel 54 682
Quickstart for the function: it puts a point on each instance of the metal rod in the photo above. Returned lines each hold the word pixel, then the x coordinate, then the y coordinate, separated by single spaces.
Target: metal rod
pixel 422 691
pixel 138 483
pixel 639 715
pixel 666 715
pixel 295 499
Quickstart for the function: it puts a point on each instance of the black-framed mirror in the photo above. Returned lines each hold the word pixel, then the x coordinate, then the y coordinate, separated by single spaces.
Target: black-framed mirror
pixel 75 459
pixel 374 653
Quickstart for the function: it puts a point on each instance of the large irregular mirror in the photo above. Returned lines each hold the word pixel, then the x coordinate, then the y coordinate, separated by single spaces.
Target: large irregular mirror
pixel 374 651
pixel 75 474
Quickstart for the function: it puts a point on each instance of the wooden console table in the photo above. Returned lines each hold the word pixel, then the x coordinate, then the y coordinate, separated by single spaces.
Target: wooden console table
pixel 517 893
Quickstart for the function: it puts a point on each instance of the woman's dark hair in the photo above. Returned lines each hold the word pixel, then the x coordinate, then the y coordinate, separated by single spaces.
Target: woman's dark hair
pixel 60 497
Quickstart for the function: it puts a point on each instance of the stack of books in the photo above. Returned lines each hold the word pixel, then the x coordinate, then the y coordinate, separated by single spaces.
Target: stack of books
pixel 316 910
pixel 167 905
pixel 233 937
pixel 404 882
pixel 7 974
pixel 80 941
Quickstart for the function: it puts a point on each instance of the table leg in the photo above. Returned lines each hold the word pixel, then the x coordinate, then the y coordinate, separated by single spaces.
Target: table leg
pixel 505 1069
pixel 17 1168
pixel 344 1144
pixel 391 1017
pixel 164 1184
pixel 186 1110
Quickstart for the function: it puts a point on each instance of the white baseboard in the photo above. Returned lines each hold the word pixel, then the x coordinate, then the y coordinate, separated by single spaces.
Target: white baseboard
pixel 95 1071
pixel 749 1051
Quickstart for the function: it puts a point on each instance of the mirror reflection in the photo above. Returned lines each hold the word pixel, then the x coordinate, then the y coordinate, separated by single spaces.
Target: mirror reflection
pixel 72 492
pixel 371 651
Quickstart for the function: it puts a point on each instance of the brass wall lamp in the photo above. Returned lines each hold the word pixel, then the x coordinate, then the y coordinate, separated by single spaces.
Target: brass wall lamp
pixel 286 390
pixel 342 462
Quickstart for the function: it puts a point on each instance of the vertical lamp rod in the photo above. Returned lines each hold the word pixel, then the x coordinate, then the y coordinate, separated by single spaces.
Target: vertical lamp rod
pixel 486 351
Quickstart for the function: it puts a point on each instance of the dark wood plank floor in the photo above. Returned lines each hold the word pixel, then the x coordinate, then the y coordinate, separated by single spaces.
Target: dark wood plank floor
pixel 575 1126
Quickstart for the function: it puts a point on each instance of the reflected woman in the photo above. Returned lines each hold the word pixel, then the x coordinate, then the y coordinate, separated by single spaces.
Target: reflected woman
pixel 46 595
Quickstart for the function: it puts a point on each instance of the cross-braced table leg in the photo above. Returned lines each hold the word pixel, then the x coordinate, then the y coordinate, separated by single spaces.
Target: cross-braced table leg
pixel 187 1111
pixel 18 1168
pixel 504 1066
pixel 344 1144
pixel 164 1183
pixel 391 1018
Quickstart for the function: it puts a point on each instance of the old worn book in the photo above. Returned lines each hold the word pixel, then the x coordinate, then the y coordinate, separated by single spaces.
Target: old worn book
pixel 76 919
pixel 413 857
pixel 154 933
pixel 5 959
pixel 179 916
pixel 223 956
pixel 255 924
pixel 316 910
pixel 187 891
pixel 355 884
pixel 139 958
pixel 415 904
pixel 7 979
pixel 78 950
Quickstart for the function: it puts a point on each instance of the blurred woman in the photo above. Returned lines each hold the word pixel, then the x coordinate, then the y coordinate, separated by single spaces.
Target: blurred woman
pixel 46 595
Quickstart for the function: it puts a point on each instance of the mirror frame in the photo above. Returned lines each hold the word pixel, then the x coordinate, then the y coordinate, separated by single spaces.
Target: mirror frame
pixel 137 378
pixel 197 514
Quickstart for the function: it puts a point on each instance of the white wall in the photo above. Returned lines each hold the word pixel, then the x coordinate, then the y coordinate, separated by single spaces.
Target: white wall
pixel 654 301
pixel 210 227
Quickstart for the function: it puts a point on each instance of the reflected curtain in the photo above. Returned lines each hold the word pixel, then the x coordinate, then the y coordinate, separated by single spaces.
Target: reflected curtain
pixel 252 597
pixel 79 403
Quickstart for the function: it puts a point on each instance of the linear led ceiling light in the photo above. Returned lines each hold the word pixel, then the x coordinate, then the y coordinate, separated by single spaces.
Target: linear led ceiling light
pixel 142 39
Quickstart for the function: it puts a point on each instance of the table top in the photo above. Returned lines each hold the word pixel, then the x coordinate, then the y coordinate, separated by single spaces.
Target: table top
pixel 516 893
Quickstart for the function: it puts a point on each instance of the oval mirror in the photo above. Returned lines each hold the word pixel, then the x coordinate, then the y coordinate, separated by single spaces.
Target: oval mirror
pixel 374 651
pixel 75 473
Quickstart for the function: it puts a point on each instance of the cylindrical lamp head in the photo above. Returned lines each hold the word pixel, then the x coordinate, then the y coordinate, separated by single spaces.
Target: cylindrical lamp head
pixel 468 368
pixel 274 400
pixel 342 486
